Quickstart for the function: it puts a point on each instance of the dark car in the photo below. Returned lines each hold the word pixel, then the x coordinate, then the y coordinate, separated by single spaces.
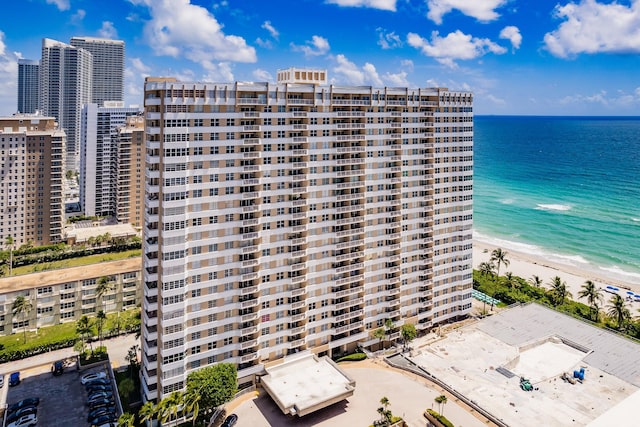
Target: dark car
pixel 98 387
pixel 99 412
pixel 30 401
pixel 14 379
pixel 98 381
pixel 27 410
pixel 57 368
pixel 100 403
pixel 96 395
pixel 103 419
pixel 100 400
pixel 230 421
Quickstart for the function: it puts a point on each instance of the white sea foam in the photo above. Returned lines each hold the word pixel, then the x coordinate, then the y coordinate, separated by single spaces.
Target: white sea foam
pixel 524 248
pixel 572 260
pixel 635 219
pixel 553 207
pixel 624 275
pixel 506 201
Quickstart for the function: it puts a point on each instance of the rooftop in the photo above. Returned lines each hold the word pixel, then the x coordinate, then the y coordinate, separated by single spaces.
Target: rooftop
pixel 305 383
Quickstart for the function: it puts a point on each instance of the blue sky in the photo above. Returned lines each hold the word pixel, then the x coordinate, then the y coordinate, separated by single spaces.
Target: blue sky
pixel 541 57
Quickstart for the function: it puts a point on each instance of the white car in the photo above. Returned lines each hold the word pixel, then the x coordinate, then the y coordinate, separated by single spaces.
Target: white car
pixel 94 376
pixel 1 380
pixel 26 421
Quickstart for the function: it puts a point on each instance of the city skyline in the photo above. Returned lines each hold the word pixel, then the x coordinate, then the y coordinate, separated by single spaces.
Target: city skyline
pixel 547 58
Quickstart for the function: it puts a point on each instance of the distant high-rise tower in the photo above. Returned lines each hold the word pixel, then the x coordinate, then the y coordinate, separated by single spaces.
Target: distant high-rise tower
pixel 65 86
pixel 28 81
pixel 99 156
pixel 108 67
pixel 131 158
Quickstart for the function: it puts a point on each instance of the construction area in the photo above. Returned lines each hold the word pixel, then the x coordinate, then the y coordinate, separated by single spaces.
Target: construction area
pixel 529 366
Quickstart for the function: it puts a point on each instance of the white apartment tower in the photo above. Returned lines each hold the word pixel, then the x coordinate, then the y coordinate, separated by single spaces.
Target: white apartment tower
pixel 99 156
pixel 65 86
pixel 28 85
pixel 298 216
pixel 108 67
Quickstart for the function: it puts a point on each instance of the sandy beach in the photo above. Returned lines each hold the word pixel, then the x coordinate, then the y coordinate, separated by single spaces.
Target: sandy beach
pixel 526 265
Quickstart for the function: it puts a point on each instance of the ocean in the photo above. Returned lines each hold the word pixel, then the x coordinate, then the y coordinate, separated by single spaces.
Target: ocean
pixel 563 188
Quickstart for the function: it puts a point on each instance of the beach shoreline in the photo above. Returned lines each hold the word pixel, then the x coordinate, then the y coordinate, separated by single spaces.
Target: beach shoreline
pixel 526 265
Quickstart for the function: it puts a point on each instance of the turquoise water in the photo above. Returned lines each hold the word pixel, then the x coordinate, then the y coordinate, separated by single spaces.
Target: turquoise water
pixel 565 188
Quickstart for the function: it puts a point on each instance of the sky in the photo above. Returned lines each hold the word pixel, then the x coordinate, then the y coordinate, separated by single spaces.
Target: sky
pixel 522 57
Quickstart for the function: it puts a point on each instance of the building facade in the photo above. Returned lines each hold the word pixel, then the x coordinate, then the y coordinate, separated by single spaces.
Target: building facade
pixel 130 184
pixel 108 67
pixel 28 85
pixel 299 216
pixel 99 156
pixel 66 295
pixel 65 86
pixel 32 151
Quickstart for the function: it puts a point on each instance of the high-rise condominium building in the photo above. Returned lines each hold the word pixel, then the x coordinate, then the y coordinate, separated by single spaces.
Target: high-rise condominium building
pixel 65 86
pixel 130 183
pixel 28 81
pixel 108 67
pixel 299 216
pixel 99 156
pixel 31 173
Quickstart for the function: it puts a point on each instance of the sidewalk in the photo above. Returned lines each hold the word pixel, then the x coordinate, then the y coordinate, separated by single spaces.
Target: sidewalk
pixel 116 347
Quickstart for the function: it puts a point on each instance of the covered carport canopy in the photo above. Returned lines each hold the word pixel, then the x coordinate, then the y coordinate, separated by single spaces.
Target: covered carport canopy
pixel 303 384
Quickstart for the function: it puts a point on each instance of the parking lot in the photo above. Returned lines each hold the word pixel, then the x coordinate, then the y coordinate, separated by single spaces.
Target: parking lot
pixel 62 398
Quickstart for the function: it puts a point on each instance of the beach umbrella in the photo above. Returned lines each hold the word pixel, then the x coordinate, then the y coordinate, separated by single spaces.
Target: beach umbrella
pixel 629 293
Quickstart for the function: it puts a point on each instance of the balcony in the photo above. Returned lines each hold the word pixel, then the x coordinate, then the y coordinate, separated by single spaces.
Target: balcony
pixel 248 290
pixel 349 327
pixel 248 331
pixel 296 343
pixel 249 317
pixel 249 304
pixel 249 357
pixel 248 344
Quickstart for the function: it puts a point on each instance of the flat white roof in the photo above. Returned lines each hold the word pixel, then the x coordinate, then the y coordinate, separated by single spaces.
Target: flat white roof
pixel 305 383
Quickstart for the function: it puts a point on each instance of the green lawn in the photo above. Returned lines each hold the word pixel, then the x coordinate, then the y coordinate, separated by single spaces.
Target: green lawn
pixel 76 262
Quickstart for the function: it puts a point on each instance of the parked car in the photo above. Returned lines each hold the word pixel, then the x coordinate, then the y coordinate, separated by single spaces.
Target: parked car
pixel 98 412
pixel 98 387
pixel 96 395
pixel 14 379
pixel 1 380
pixel 57 368
pixel 26 421
pixel 93 376
pixel 101 403
pixel 230 421
pixel 27 410
pixel 99 381
pixel 100 399
pixel 103 420
pixel 29 401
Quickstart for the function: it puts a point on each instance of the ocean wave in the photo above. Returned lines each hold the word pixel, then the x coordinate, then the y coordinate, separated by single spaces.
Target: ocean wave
pixel 524 248
pixel 635 219
pixel 506 201
pixel 567 259
pixel 625 275
pixel 553 207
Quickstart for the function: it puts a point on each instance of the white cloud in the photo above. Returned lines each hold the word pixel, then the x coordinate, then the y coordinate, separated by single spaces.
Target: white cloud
pixel 495 100
pixel 388 40
pixel 407 63
pixel 482 10
pixel 637 91
pixel 317 46
pixel 349 73
pixel 140 67
pixel 262 75
pixel 455 46
pixel 220 72
pixel 8 78
pixel 178 28
pixel 274 33
pixel 77 17
pixel 60 4
pixel 373 4
pixel 592 27
pixel 512 34
pixel 620 99
pixel 108 30
pixel 396 79
pixel 264 43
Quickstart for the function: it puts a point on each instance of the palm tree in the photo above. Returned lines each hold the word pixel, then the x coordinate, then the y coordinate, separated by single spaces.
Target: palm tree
pixel 380 334
pixel 511 280
pixel 499 257
pixel 593 295
pixel 389 326
pixel 618 310
pixel 9 243
pixel 83 328
pixel 104 286
pixel 487 269
pixel 127 420
pixel 21 306
pixel 191 401
pixel 100 319
pixel 535 281
pixel 170 406
pixel 441 400
pixel 148 412
pixel 559 292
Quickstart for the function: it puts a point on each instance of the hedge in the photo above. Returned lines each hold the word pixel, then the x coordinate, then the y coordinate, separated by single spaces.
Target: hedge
pixel 441 418
pixel 353 357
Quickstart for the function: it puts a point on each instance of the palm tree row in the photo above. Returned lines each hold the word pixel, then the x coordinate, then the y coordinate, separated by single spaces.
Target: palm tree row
pixel 558 293
pixel 169 408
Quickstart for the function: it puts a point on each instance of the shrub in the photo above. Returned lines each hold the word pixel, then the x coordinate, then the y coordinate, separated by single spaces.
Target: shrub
pixel 441 418
pixel 354 357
